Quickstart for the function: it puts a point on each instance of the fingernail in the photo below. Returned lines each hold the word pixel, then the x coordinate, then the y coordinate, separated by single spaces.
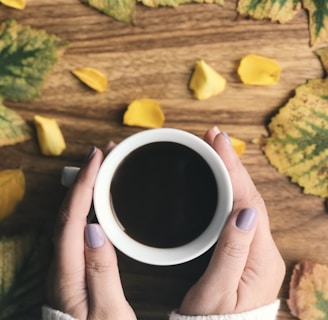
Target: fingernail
pixel 91 154
pixel 226 136
pixel 94 236
pixel 109 147
pixel 216 130
pixel 246 219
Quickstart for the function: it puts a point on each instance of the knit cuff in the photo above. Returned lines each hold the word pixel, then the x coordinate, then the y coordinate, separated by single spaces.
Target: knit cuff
pixel 267 312
pixel 51 314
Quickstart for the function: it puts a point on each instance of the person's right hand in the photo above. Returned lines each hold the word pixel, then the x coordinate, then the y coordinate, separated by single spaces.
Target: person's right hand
pixel 246 270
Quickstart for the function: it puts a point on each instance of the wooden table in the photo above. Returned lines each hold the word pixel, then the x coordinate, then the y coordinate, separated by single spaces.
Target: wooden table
pixel 154 59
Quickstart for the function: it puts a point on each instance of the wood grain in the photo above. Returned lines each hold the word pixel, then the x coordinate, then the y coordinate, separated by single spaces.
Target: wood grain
pixel 154 59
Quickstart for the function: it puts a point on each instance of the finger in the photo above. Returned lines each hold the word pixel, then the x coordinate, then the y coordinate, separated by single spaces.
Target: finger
pixel 73 215
pixel 102 274
pixel 109 147
pixel 231 253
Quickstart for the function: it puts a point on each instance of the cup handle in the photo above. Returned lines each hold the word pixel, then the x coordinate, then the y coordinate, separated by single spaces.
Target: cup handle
pixel 69 175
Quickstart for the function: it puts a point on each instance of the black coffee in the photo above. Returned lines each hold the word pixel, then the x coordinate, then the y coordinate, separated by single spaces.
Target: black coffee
pixel 164 194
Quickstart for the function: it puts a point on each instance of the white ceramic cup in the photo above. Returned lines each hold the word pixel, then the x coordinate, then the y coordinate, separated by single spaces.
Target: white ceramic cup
pixel 161 256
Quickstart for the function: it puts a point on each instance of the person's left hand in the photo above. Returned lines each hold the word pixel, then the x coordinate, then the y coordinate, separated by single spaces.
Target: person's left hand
pixel 84 279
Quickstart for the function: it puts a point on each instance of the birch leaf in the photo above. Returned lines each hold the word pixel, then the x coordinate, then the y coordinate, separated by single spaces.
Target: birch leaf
pixel 121 10
pixel 308 291
pixel 318 15
pixel 92 78
pixel 176 3
pixel 12 190
pixel 13 129
pixel 145 113
pixel 27 57
pixel 16 4
pixel 323 54
pixel 275 10
pixel 297 145
pixel 24 261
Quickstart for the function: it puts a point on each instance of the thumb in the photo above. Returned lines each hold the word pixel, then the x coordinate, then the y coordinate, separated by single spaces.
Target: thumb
pixel 231 253
pixel 102 274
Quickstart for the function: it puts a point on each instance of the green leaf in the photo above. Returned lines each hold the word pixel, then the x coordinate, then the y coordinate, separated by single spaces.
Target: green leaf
pixel 297 145
pixel 13 129
pixel 318 14
pixel 24 261
pixel 275 10
pixel 176 3
pixel 121 10
pixel 27 56
pixel 322 304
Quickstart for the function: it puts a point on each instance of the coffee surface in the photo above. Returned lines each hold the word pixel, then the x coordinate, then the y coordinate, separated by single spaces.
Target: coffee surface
pixel 164 194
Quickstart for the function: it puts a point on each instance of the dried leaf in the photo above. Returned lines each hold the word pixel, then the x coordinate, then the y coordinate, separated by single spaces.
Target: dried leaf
pixel 176 3
pixel 16 4
pixel 323 54
pixel 275 10
pixel 298 140
pixel 50 137
pixel 13 129
pixel 308 291
pixel 24 261
pixel 27 56
pixel 258 70
pixel 121 10
pixel 12 190
pixel 238 145
pixel 145 113
pixel 318 15
pixel 92 78
pixel 206 82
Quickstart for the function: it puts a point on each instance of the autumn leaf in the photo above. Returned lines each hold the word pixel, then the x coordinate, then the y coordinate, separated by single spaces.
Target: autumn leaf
pixel 323 55
pixel 27 56
pixel 318 15
pixel 175 3
pixel 92 77
pixel 298 138
pixel 275 10
pixel 24 261
pixel 121 10
pixel 16 4
pixel 308 291
pixel 12 190
pixel 13 129
pixel 145 113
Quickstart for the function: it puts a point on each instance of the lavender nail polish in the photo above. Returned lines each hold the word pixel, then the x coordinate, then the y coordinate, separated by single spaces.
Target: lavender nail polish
pixel 94 236
pixel 246 219
pixel 91 154
pixel 226 136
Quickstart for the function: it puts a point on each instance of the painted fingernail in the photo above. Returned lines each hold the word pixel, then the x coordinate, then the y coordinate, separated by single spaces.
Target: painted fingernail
pixel 69 175
pixel 226 136
pixel 109 147
pixel 94 236
pixel 216 130
pixel 91 154
pixel 246 219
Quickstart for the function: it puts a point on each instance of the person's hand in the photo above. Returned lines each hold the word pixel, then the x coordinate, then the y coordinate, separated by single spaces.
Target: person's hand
pixel 246 270
pixel 84 280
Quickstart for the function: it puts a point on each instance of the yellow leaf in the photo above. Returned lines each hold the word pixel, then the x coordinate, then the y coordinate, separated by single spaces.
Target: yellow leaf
pixel 50 137
pixel 92 78
pixel 16 4
pixel 258 70
pixel 206 82
pixel 145 113
pixel 12 190
pixel 238 145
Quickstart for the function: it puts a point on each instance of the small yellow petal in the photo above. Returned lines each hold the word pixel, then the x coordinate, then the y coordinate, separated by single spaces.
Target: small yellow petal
pixel 257 70
pixel 16 4
pixel 92 78
pixel 145 113
pixel 12 190
pixel 206 82
pixel 50 137
pixel 238 145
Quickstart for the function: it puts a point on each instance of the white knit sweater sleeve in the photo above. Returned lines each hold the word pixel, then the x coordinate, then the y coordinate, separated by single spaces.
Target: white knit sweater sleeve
pixel 268 312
